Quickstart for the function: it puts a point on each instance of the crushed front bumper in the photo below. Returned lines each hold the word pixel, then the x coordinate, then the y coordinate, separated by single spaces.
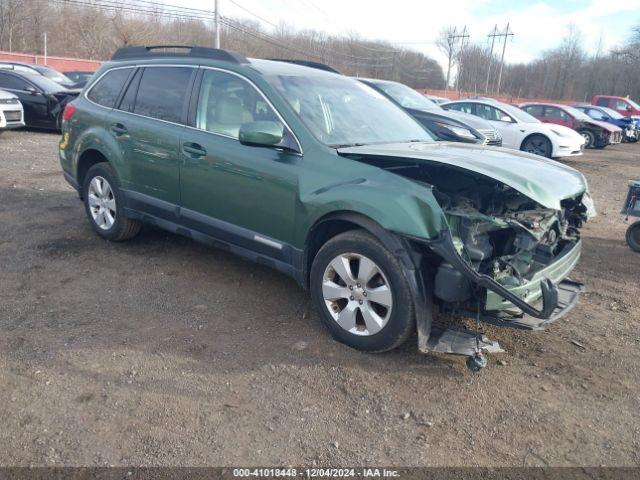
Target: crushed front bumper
pixel 531 292
pixel 514 303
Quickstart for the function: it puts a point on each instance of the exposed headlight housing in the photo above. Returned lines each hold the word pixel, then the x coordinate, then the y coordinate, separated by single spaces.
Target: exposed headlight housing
pixel 460 131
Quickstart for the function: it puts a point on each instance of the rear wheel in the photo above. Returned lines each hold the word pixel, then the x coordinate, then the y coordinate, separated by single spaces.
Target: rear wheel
pixel 633 236
pixel 538 145
pixel 589 138
pixel 361 292
pixel 104 204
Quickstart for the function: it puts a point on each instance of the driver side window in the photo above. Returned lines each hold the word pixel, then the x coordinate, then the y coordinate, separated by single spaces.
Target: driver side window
pixel 227 101
pixel 491 113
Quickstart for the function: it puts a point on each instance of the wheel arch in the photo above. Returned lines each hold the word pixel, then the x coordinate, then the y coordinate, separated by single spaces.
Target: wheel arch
pixel 337 222
pixel 86 160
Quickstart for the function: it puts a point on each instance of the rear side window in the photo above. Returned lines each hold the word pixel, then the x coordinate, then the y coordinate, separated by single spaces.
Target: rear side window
pixel 106 91
pixel 162 93
pixel 12 82
pixel 603 102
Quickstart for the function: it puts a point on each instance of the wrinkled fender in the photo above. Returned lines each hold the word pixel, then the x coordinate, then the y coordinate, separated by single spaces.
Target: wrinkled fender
pixel 395 203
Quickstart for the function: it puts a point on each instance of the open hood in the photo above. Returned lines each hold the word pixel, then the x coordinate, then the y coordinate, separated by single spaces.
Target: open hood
pixel 544 181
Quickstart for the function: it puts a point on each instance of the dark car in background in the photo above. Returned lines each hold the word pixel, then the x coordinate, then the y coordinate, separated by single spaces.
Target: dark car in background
pixel 43 100
pixel 597 134
pixel 449 126
pixel 80 78
pixel 44 70
pixel 630 126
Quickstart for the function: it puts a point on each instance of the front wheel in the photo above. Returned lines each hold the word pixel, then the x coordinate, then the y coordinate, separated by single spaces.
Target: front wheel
pixel 361 292
pixel 633 236
pixel 104 204
pixel 589 138
pixel 538 145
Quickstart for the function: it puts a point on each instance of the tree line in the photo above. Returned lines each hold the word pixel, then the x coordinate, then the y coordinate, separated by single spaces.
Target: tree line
pixel 94 29
pixel 567 72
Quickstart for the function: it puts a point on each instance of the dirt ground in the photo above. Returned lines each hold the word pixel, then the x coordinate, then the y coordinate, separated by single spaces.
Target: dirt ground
pixel 160 351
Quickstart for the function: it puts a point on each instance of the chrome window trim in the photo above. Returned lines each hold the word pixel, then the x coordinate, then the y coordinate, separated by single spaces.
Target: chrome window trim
pixel 86 93
pixel 95 82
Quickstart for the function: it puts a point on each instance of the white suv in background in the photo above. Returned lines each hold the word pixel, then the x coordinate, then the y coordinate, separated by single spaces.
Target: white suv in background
pixel 520 130
pixel 11 112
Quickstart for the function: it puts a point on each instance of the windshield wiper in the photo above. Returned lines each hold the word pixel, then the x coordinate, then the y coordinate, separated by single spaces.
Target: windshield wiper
pixel 346 145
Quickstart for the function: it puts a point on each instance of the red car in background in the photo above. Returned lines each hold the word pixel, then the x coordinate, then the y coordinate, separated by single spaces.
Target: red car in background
pixel 623 105
pixel 596 134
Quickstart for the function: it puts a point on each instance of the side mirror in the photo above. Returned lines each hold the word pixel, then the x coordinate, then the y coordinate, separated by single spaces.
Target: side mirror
pixel 506 119
pixel 31 90
pixel 261 134
pixel 629 109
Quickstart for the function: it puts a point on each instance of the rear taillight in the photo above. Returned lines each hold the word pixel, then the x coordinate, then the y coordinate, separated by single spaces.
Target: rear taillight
pixel 68 112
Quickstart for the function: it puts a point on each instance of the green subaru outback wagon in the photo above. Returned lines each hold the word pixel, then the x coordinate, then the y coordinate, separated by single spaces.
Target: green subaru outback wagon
pixel 322 178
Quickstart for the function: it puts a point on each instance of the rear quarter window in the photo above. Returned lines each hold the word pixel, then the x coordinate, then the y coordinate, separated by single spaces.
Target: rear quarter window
pixel 106 91
pixel 603 102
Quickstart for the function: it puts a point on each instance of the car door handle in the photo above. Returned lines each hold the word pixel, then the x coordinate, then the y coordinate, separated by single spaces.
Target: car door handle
pixel 193 150
pixel 118 130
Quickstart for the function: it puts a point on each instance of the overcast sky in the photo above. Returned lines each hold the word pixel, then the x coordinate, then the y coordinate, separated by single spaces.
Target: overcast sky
pixel 537 25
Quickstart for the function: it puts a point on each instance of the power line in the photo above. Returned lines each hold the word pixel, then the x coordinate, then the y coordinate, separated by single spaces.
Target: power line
pixel 254 14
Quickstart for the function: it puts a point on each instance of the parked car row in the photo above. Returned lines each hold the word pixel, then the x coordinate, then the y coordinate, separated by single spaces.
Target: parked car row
pixel 41 91
pixel 328 180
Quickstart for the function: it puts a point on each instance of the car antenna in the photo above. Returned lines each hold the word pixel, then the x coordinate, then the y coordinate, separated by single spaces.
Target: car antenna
pixel 477 361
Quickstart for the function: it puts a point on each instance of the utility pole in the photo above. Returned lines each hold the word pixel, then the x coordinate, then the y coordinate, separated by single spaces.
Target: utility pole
pixel 493 36
pixel 463 36
pixel 217 24
pixel 507 33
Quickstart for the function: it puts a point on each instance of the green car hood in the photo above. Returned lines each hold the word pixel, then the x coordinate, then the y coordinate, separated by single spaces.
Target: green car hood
pixel 543 180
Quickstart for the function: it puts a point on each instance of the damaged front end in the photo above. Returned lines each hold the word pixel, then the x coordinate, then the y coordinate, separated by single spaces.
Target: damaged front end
pixel 507 253
pixel 509 239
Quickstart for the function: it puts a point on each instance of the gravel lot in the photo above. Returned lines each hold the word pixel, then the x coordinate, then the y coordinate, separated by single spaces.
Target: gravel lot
pixel 159 351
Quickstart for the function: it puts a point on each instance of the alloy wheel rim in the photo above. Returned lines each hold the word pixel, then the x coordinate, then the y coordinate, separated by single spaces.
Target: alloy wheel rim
pixel 357 294
pixel 538 147
pixel 102 203
pixel 587 139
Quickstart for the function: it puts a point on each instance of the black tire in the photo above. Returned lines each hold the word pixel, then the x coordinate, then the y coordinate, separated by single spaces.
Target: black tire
pixel 633 236
pixel 401 321
pixel 590 139
pixel 538 145
pixel 123 228
pixel 633 140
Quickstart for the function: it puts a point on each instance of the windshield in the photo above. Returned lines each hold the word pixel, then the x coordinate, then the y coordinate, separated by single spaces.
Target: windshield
pixel 407 97
pixel 518 114
pixel 632 103
pixel 44 83
pixel 56 76
pixel 611 113
pixel 341 111
pixel 578 114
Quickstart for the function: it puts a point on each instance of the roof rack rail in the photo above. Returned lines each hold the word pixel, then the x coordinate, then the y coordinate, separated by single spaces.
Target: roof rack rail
pixel 159 51
pixel 308 63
